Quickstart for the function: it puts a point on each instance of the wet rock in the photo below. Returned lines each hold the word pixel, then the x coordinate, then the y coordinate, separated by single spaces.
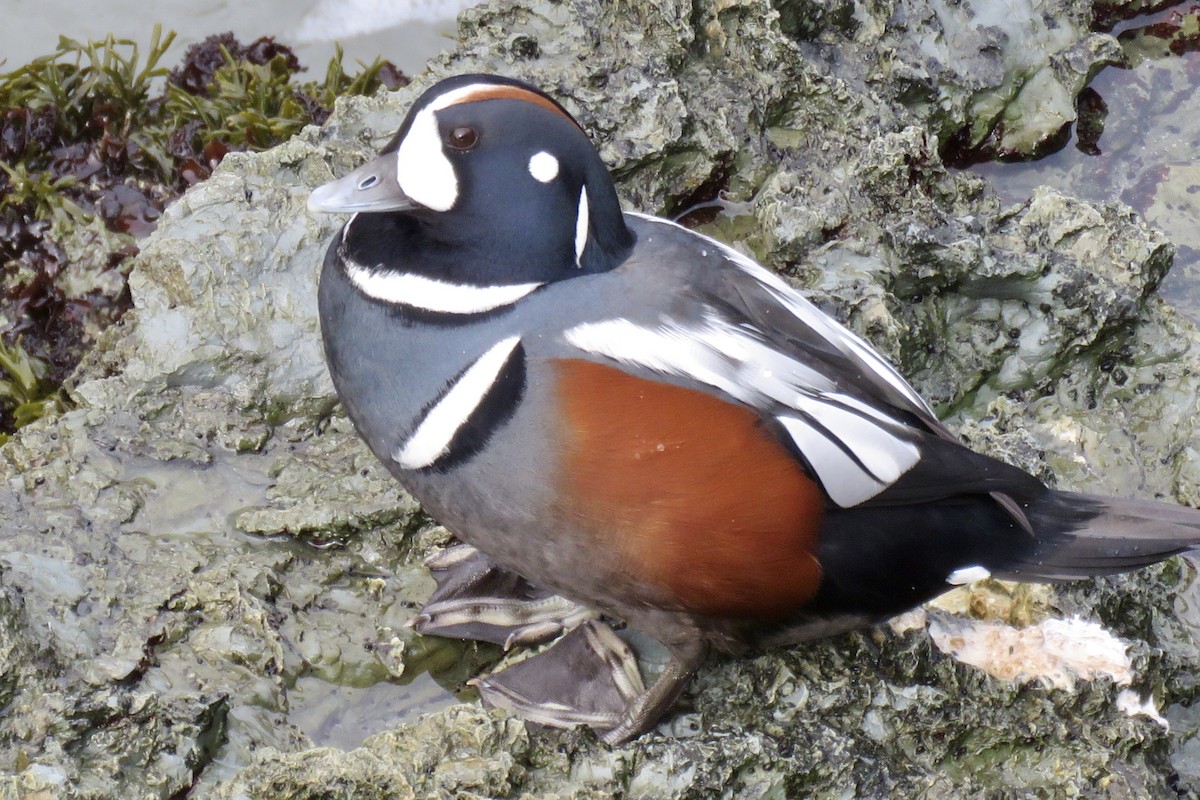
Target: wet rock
pixel 204 543
pixel 989 80
pixel 465 752
pixel 1120 151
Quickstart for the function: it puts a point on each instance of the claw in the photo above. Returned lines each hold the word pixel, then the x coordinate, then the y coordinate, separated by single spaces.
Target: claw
pixel 450 557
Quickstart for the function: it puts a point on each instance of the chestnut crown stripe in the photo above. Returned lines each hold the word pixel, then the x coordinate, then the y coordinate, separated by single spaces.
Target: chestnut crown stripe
pixel 478 92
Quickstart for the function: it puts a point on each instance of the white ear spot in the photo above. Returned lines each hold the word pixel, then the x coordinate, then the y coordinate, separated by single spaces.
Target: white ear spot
pixel 422 169
pixel 581 226
pixel 543 166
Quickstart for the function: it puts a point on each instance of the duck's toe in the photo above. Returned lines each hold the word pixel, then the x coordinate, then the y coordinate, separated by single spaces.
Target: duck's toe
pixel 589 677
pixel 479 600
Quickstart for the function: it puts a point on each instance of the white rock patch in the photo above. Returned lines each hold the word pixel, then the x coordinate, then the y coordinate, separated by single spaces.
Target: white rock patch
pixel 1055 652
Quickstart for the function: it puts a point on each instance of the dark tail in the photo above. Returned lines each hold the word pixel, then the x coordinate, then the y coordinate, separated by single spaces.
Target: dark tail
pixel 880 560
pixel 1081 536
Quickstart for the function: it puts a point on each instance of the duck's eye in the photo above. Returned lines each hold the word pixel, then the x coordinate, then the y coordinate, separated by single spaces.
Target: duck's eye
pixel 462 138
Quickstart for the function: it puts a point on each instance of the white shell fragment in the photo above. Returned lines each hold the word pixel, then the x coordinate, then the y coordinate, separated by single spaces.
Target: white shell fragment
pixel 1129 702
pixel 1055 652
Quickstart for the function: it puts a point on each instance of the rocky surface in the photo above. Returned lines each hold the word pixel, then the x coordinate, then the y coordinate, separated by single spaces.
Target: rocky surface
pixel 1145 160
pixel 202 551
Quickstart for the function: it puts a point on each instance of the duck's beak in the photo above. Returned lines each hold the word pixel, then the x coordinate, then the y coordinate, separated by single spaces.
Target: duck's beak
pixel 371 187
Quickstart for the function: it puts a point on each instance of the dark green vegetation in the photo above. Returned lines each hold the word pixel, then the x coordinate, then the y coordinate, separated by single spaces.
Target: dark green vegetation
pixel 102 134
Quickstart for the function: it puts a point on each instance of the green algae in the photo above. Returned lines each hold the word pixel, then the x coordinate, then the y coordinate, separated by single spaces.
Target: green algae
pixel 24 392
pixel 102 135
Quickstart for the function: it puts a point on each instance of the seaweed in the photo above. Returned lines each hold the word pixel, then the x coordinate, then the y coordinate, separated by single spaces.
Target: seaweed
pixel 24 388
pixel 102 132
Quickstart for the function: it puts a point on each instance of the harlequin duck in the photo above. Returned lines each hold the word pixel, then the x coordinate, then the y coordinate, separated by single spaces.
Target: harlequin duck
pixel 623 417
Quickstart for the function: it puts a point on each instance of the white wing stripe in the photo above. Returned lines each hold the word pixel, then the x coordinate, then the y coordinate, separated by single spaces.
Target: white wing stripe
pixel 862 408
pixel 671 350
pixel 856 450
pixel 846 483
pixel 718 354
pixel 885 456
pixel 844 339
pixel 428 294
pixel 432 437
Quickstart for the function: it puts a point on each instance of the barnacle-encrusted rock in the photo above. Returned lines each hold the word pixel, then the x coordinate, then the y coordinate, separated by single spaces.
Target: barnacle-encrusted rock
pixel 202 550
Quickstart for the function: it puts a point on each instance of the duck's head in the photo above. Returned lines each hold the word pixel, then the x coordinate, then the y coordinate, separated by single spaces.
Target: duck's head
pixel 491 170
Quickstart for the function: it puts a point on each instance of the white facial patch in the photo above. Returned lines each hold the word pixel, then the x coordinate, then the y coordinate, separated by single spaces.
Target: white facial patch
pixel 428 294
pixel 422 169
pixel 433 435
pixel 543 166
pixel 581 226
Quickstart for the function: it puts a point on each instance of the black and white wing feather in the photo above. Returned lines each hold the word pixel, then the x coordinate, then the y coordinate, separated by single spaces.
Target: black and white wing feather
pixel 865 434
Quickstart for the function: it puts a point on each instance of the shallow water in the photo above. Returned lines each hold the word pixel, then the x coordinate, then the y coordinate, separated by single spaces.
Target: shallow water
pixel 1146 155
pixel 407 32
pixel 343 716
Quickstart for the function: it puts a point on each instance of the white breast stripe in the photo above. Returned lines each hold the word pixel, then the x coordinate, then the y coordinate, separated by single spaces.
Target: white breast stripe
pixel 857 451
pixel 581 225
pixel 845 340
pixel 840 475
pixel 427 294
pixel 432 437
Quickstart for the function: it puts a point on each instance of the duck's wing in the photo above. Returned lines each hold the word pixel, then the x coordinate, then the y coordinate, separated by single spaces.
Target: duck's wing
pixel 738 330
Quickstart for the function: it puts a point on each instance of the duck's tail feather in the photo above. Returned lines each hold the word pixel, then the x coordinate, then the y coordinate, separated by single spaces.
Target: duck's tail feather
pixel 1081 536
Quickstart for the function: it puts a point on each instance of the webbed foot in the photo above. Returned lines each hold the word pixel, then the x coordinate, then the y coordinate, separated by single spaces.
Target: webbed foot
pixel 589 677
pixel 476 599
